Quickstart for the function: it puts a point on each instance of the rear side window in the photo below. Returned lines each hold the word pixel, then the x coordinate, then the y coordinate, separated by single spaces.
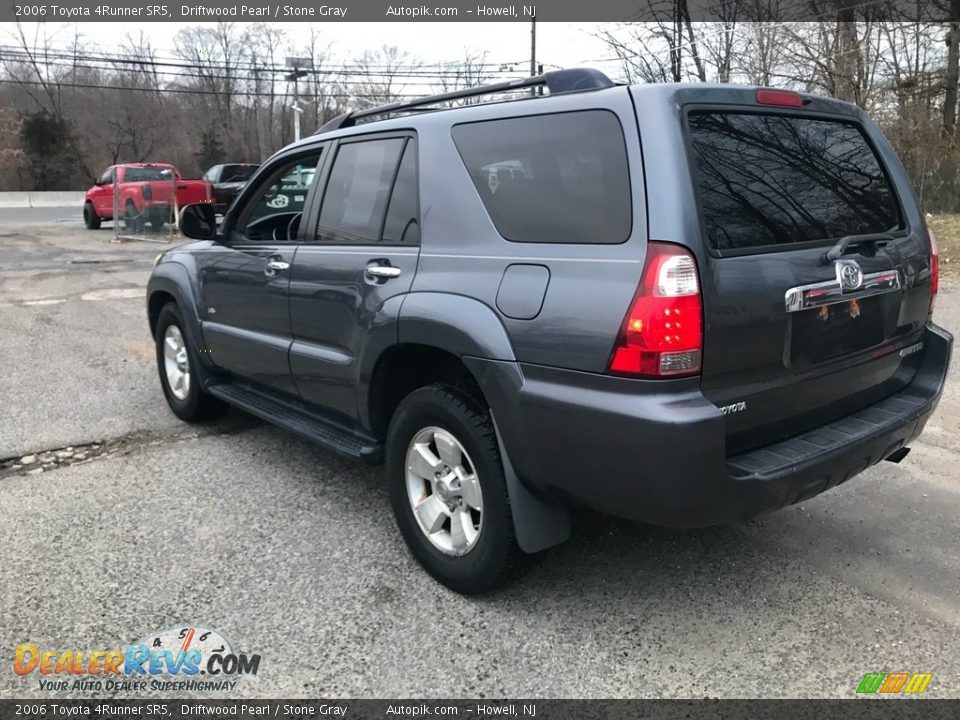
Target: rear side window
pixel 401 224
pixel 768 180
pixel 559 178
pixel 357 192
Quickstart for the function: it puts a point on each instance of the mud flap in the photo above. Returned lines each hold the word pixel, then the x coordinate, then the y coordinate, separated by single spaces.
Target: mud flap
pixel 539 524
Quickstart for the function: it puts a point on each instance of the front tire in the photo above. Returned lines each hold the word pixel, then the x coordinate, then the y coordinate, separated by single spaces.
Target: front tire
pixel 177 363
pixel 448 490
pixel 90 217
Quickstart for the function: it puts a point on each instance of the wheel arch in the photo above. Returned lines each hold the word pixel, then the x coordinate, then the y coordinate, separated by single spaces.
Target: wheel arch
pixel 170 282
pixel 403 368
pixel 458 324
pixel 439 336
pixel 433 334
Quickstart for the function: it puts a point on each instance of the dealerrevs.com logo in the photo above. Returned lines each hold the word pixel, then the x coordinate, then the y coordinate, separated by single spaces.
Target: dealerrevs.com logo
pixel 187 658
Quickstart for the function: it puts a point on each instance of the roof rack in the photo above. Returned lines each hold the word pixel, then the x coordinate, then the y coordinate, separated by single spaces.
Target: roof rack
pixel 556 81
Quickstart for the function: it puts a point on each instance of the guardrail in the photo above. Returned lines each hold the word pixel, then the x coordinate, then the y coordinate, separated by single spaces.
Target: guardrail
pixel 49 198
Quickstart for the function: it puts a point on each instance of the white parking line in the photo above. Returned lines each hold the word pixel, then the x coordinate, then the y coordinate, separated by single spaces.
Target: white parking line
pixel 105 294
pixel 48 301
pixel 114 294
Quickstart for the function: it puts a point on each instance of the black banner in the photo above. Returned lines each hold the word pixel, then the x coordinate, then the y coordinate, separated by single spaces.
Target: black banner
pixel 471 10
pixel 860 709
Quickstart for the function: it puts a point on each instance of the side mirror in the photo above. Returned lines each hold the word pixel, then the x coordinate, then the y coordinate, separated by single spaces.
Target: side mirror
pixel 198 221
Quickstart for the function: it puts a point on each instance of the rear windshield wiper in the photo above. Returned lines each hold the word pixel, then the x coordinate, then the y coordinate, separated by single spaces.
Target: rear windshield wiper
pixel 873 239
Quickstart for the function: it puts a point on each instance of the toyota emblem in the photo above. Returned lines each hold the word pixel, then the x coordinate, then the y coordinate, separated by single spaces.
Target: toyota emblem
pixel 849 275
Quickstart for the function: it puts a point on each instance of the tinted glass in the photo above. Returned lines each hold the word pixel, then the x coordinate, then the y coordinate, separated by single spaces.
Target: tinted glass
pixel 402 212
pixel 237 173
pixel 773 180
pixel 551 178
pixel 358 189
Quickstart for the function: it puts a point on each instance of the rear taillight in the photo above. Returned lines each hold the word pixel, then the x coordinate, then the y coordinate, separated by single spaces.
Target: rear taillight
pixel 934 268
pixel 662 335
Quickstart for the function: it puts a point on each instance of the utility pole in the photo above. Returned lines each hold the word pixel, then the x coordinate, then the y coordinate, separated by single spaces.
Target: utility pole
pixel 533 50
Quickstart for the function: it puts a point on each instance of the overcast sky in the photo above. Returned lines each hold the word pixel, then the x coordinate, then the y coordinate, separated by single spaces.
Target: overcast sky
pixel 558 44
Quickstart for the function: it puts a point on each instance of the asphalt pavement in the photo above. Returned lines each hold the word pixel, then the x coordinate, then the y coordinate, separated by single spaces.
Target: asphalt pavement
pixel 146 523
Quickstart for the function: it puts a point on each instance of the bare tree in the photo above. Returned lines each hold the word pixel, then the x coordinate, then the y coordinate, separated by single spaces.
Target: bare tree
pixel 263 52
pixel 672 48
pixel 41 79
pixel 468 72
pixel 377 77
pixel 215 54
pixel 952 74
pixel 324 86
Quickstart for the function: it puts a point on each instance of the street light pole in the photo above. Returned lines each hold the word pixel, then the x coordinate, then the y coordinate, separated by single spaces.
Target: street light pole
pixel 297 63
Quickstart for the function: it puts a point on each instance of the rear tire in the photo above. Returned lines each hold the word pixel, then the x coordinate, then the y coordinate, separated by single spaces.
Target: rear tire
pixel 132 219
pixel 158 219
pixel 441 431
pixel 177 363
pixel 90 217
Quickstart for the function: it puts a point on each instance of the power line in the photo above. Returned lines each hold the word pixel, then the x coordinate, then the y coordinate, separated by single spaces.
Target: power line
pixel 224 74
pixel 171 77
pixel 184 91
pixel 353 67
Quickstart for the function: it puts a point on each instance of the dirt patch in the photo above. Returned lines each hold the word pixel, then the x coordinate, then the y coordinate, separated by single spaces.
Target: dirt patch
pixel 37 463
pixel 140 348
pixel 43 461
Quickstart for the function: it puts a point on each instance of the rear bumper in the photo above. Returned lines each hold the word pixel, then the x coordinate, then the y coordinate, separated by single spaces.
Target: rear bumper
pixel 656 452
pixel 223 198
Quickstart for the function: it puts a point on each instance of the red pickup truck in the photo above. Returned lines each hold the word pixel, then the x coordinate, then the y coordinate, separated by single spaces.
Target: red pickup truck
pixel 145 193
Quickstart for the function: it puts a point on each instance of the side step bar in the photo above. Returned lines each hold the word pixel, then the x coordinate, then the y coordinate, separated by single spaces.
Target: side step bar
pixel 321 430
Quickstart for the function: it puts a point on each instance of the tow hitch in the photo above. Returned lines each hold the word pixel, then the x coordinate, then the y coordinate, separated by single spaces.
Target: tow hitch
pixel 897 455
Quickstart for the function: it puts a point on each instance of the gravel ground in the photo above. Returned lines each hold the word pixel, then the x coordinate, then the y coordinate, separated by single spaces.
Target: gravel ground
pixel 293 553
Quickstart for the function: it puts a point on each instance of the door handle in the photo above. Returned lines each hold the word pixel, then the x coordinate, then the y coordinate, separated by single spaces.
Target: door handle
pixel 383 271
pixel 274 266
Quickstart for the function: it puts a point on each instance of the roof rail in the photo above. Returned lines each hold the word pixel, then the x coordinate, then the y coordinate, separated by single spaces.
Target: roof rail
pixel 556 81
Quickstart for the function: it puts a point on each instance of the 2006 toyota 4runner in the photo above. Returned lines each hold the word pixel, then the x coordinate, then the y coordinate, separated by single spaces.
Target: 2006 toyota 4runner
pixel 681 304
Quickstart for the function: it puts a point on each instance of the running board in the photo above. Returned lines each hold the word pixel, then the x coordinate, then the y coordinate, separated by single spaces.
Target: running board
pixel 321 430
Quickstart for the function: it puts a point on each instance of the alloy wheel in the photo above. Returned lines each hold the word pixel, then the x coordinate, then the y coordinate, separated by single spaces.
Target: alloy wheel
pixel 176 364
pixel 444 491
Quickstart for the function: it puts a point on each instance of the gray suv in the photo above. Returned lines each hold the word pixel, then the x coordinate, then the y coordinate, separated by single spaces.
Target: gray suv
pixel 680 304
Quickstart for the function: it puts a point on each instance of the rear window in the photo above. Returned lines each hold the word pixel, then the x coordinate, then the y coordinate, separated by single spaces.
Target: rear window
pixel 559 178
pixel 237 173
pixel 141 174
pixel 775 180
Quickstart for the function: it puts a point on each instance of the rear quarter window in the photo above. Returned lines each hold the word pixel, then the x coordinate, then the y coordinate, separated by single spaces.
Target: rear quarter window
pixel 559 178
pixel 774 180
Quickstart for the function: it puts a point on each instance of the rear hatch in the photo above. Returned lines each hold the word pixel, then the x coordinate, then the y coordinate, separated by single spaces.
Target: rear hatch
pixel 816 266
